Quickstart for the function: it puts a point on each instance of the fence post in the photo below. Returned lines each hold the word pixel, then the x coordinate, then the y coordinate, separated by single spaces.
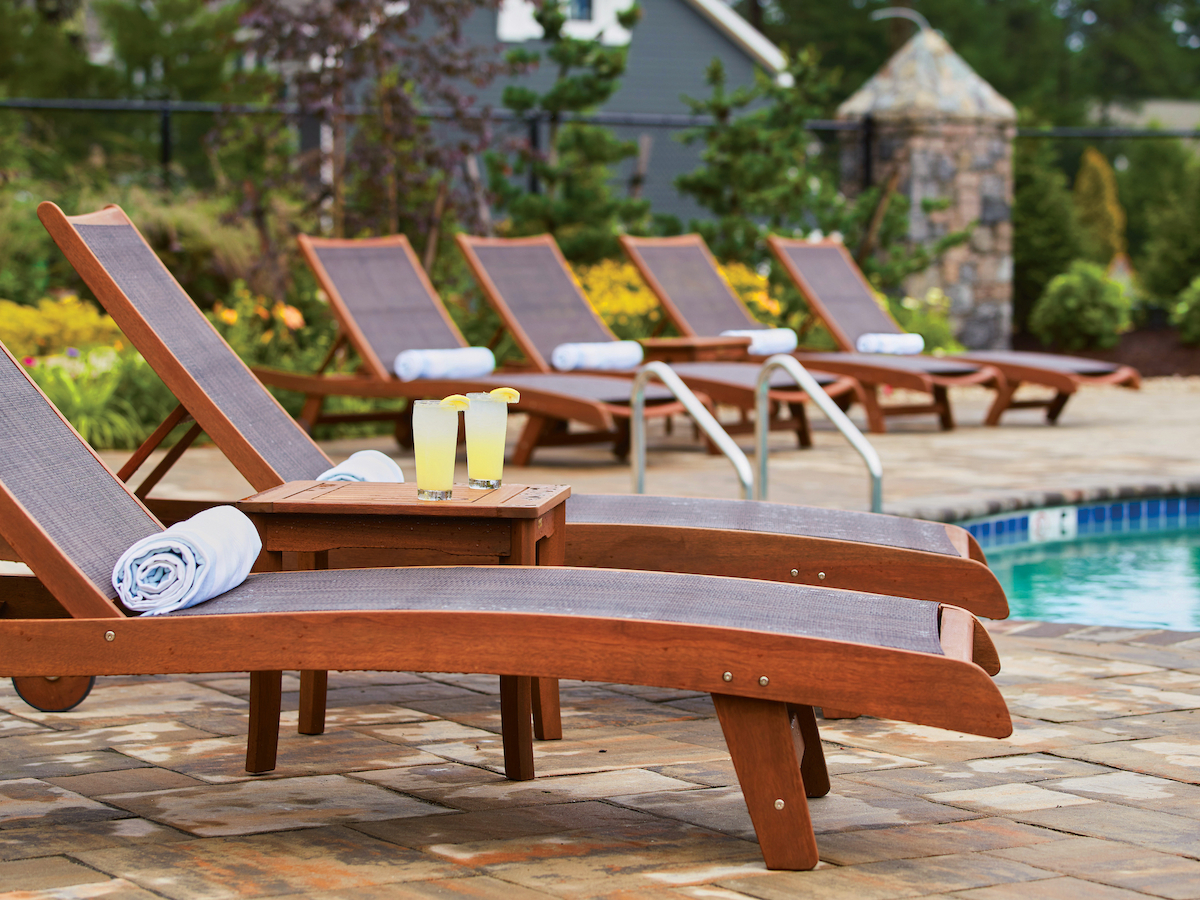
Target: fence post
pixel 164 130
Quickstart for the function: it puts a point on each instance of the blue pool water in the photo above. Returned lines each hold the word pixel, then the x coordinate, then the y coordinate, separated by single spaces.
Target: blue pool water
pixel 1133 563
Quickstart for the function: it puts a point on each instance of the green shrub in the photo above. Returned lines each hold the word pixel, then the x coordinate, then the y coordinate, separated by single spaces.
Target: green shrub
pixel 930 318
pixel 1080 309
pixel 89 397
pixel 1186 314
pixel 54 325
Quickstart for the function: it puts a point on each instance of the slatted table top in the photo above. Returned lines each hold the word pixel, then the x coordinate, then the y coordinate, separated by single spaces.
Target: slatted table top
pixel 695 349
pixel 509 501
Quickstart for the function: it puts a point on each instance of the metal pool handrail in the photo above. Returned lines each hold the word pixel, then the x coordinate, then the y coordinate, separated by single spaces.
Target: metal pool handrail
pixel 839 419
pixel 710 426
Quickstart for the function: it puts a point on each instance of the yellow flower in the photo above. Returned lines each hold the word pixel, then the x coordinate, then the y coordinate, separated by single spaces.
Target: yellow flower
pixel 291 317
pixel 228 316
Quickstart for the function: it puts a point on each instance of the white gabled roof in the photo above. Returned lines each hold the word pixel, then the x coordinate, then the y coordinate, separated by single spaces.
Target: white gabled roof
pixel 742 33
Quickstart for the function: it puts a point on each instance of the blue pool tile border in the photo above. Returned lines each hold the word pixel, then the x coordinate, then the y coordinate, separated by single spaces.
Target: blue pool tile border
pixel 1068 523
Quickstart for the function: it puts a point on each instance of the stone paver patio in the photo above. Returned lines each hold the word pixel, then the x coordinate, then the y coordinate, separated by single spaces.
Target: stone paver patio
pixel 140 793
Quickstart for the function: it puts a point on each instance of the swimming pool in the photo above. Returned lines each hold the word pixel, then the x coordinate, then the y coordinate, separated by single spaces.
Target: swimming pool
pixel 1126 563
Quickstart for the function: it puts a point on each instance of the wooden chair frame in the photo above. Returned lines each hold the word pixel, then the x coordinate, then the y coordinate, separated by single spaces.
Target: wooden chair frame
pixel 869 374
pixel 1012 371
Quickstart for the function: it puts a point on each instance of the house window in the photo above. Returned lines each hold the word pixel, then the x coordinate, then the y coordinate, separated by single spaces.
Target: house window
pixel 580 10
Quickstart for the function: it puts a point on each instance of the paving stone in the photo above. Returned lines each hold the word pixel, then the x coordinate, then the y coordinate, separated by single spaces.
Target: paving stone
pixel 120 737
pixel 1009 798
pixel 331 858
pixel 239 685
pixel 66 764
pixel 596 749
pixel 113 704
pixel 509 822
pixel 428 731
pixel 1051 889
pixel 1184 721
pixel 1176 757
pixel 892 878
pixel 1132 789
pixel 271 805
pixel 646 855
pixel 45 873
pixel 485 793
pixel 11 726
pixel 976 773
pixel 848 848
pixel 25 801
pixel 712 773
pixel 109 889
pixel 1145 828
pixel 1077 701
pixel 44 839
pixel 398 694
pixel 223 760
pixel 1026 664
pixel 1116 864
pixel 704 732
pixel 355 716
pixel 479 887
pixel 123 781
pixel 1166 680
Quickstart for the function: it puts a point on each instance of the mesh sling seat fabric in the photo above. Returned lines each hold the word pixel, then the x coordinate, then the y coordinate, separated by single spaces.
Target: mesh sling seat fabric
pixel 766 652
pixel 385 304
pixel 834 285
pixel 699 301
pixel 530 284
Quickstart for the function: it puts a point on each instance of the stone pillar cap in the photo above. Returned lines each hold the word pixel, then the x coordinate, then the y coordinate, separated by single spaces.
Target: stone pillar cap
pixel 926 80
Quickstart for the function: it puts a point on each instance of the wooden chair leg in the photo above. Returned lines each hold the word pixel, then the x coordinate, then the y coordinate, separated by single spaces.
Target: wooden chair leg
pixel 516 727
pixel 262 741
pixel 808 745
pixel 803 431
pixel 761 742
pixel 310 413
pixel 547 717
pixel 1055 407
pixel 876 422
pixel 941 399
pixel 314 686
pixel 621 442
pixel 531 436
pixel 1004 396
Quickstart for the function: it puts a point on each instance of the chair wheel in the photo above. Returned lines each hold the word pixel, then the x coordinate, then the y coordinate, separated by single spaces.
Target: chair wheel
pixel 54 693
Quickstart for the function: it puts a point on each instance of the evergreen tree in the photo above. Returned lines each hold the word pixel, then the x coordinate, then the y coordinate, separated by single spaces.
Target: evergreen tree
pixel 1153 172
pixel 1101 218
pixel 1172 256
pixel 575 202
pixel 1045 232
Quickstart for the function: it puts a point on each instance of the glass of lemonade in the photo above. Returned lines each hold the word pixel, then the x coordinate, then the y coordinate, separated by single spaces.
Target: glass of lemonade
pixel 435 440
pixel 487 426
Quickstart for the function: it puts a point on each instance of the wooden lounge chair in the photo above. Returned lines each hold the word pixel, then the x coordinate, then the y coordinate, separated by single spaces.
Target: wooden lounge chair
pixel 766 652
pixel 837 291
pixel 826 547
pixel 530 284
pixel 698 300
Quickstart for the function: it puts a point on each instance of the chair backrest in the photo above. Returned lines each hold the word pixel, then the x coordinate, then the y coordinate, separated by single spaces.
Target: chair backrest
pixel 383 300
pixel 835 288
pixel 530 284
pixel 61 508
pixel 685 276
pixel 201 370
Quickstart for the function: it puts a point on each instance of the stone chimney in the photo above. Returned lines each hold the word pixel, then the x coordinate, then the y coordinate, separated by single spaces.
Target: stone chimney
pixel 949 133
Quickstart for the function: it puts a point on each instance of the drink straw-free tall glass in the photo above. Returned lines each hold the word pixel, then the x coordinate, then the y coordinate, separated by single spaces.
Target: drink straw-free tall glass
pixel 435 440
pixel 487 426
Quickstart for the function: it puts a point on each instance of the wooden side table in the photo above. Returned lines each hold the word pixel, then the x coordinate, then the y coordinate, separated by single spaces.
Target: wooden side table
pixel 519 524
pixel 696 349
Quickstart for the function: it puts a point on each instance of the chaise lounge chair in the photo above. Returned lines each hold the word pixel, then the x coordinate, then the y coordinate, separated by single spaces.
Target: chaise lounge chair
pixel 837 291
pixel 777 542
pixel 698 300
pixel 530 284
pixel 766 652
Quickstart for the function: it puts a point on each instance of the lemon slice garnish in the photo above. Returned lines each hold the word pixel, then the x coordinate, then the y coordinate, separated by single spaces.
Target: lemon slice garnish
pixel 507 394
pixel 456 401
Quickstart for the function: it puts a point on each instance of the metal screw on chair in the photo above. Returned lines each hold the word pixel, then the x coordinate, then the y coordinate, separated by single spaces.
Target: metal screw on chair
pixel 764 680
pixel 779 804
pixel 728 676
pixel 795 572
pixel 821 575
pixel 110 635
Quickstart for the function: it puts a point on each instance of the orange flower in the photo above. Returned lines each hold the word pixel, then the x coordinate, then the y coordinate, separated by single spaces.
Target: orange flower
pixel 228 316
pixel 290 316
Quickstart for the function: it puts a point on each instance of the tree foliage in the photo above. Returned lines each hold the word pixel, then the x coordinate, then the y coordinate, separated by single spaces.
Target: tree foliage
pixel 1172 257
pixel 1098 208
pixel 574 201
pixel 1080 309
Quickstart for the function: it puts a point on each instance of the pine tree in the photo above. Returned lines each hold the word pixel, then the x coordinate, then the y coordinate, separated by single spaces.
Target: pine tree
pixel 1101 218
pixel 1173 249
pixel 1045 231
pixel 575 201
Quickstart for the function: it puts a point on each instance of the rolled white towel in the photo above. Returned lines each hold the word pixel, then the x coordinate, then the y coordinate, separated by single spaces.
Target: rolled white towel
pixel 896 344
pixel 766 341
pixel 458 362
pixel 188 563
pixel 599 355
pixel 365 465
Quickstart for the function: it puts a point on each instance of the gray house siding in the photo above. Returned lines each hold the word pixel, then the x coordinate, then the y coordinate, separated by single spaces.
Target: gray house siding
pixel 669 52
